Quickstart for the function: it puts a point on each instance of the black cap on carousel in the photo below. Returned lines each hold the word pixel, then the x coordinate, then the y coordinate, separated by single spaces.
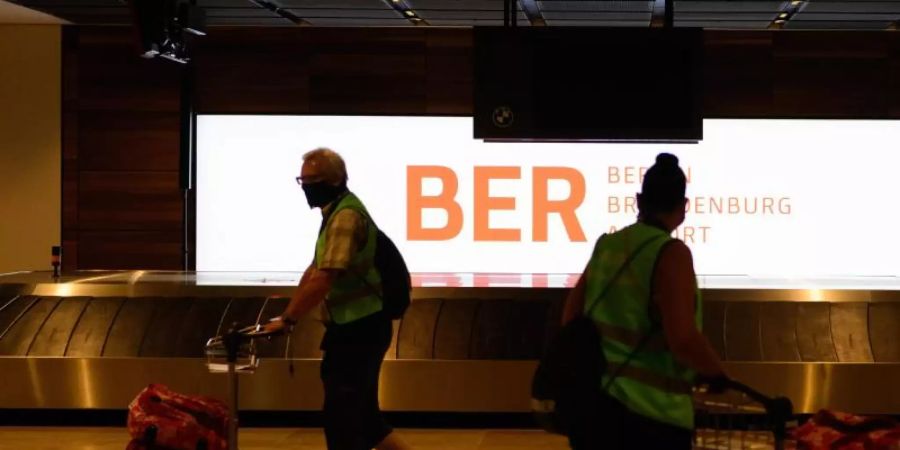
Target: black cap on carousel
pixel 664 185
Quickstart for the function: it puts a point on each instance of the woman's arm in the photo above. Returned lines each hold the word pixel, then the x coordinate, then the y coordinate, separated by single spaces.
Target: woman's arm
pixel 574 305
pixel 674 294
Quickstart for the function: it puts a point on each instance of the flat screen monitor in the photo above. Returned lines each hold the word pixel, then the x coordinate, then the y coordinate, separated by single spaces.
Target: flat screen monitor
pixel 601 84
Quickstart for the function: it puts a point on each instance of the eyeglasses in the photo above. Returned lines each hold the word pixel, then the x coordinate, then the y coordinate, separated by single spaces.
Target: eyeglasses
pixel 309 180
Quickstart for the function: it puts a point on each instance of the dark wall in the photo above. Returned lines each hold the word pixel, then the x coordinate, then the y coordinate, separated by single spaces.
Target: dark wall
pixel 122 202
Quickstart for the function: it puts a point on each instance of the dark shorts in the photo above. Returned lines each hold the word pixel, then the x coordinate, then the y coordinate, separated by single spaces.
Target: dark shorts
pixel 611 426
pixel 350 371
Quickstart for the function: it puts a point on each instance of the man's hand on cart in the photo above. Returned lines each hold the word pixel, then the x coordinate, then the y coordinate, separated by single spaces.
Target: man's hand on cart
pixel 275 326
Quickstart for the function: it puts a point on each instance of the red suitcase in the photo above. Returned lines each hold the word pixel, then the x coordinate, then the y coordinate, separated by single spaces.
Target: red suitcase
pixel 161 418
pixel 831 430
pixel 138 444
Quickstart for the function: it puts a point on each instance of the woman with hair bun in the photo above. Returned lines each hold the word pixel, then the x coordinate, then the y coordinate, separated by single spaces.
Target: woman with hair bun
pixel 640 289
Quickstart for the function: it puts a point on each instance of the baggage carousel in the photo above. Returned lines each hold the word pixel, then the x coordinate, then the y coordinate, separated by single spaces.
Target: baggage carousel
pixel 92 340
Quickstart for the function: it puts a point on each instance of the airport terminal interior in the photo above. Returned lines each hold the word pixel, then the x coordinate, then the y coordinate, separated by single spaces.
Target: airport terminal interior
pixel 154 218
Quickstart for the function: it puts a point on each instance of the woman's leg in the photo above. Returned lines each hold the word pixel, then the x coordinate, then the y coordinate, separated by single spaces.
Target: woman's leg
pixel 651 434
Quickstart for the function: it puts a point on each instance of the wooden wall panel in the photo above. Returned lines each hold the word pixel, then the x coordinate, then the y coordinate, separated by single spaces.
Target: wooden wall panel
pixel 841 74
pixel 738 74
pixel 448 72
pixel 129 141
pixel 122 203
pixel 894 76
pixel 122 207
pixel 277 83
pixel 129 201
pixel 117 249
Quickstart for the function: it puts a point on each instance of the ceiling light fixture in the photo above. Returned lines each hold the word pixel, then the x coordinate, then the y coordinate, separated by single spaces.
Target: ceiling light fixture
pixel 783 16
pixel 404 10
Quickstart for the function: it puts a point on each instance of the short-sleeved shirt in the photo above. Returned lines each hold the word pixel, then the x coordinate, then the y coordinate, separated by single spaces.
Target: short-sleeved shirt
pixel 344 236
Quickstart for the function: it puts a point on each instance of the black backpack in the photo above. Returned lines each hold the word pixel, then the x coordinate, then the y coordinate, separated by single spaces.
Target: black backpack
pixel 566 383
pixel 396 283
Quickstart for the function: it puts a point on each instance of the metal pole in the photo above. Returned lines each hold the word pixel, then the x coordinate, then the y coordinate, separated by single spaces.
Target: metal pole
pixel 506 13
pixel 232 341
pixel 514 12
pixel 186 164
pixel 670 14
pixel 233 407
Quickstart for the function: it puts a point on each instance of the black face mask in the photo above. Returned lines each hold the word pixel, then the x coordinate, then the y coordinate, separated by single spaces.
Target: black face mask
pixel 321 193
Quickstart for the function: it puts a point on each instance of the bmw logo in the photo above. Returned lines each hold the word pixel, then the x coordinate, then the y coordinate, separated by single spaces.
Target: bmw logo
pixel 503 117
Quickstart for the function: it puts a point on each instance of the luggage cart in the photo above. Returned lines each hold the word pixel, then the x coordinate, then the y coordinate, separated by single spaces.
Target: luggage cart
pixel 741 418
pixel 234 353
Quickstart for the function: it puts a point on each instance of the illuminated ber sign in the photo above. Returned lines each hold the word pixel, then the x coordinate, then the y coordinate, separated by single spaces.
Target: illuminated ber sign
pixel 543 206
pixel 484 203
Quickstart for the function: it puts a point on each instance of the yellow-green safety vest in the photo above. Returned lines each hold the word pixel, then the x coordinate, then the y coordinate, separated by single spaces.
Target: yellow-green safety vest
pixel 356 292
pixel 653 384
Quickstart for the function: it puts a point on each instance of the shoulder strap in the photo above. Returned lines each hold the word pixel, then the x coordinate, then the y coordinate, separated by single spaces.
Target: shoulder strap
pixel 644 339
pixel 619 272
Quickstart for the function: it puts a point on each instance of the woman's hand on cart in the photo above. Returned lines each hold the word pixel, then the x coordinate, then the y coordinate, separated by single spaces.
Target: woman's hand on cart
pixel 715 384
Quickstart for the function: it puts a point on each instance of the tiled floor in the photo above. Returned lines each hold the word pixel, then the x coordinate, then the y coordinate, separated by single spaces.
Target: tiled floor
pixel 44 438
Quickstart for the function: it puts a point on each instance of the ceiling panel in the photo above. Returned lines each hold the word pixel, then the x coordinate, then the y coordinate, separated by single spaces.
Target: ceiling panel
pixel 598 6
pixel 464 5
pixel 11 13
pixel 473 23
pixel 602 16
pixel 386 13
pixel 95 15
pixel 336 4
pixel 725 24
pixel 725 16
pixel 350 22
pixel 720 14
pixel 71 3
pixel 851 6
pixel 598 23
pixel 93 10
pixel 225 4
pixel 239 12
pixel 275 21
pixel 844 17
pixel 726 6
pixel 429 14
pixel 795 24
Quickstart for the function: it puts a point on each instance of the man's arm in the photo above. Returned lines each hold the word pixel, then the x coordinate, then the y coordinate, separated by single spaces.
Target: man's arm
pixel 313 288
pixel 341 243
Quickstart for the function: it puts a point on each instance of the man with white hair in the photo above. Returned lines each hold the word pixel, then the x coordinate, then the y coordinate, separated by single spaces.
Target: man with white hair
pixel 344 284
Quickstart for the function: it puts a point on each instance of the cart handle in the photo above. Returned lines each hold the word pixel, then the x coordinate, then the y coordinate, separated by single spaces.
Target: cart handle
pixel 778 408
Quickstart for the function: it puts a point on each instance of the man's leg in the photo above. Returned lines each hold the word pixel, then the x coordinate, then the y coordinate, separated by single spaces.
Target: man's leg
pixel 343 408
pixel 376 426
